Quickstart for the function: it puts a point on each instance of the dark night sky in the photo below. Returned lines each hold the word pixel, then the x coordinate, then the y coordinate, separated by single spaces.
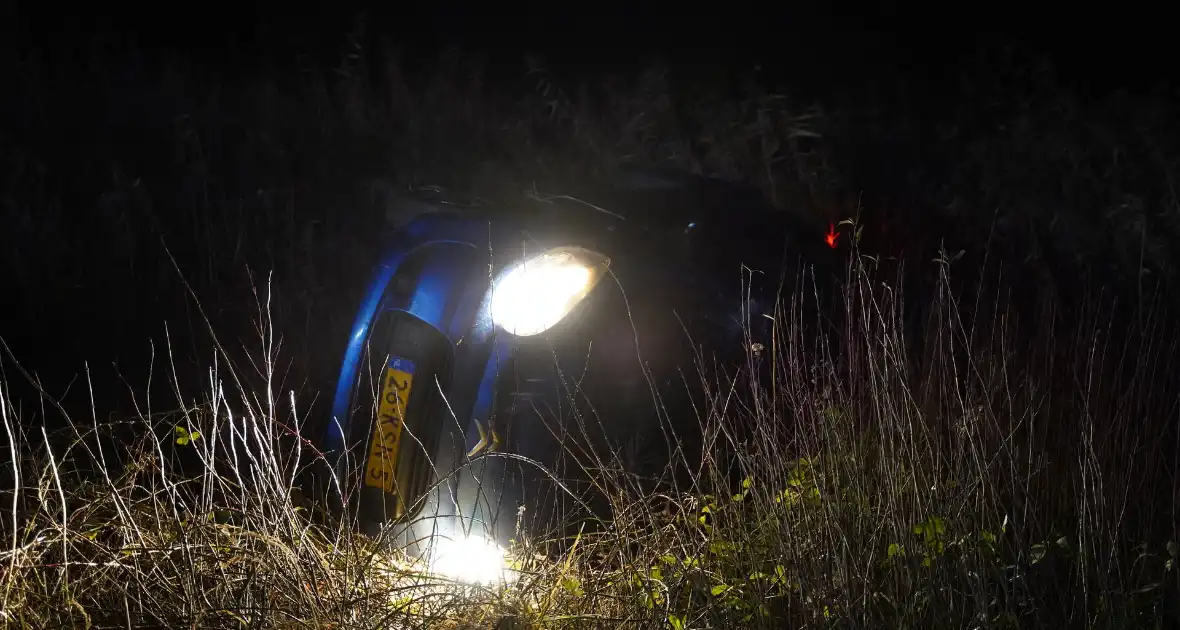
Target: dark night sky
pixel 854 50
pixel 808 44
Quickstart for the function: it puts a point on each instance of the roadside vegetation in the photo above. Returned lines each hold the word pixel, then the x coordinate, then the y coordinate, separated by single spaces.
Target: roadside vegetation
pixel 1015 466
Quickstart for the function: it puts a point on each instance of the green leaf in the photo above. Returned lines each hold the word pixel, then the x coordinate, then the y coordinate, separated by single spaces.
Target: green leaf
pixel 988 537
pixel 746 483
pixel 895 550
pixel 931 529
pixel 573 586
pixel 184 436
pixel 676 621
pixel 720 589
pixel 720 547
pixel 780 575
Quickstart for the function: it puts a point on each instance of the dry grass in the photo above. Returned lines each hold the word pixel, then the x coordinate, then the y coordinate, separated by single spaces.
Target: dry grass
pixel 988 483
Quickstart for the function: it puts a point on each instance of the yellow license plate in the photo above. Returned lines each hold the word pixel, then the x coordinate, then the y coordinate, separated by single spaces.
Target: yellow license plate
pixel 381 471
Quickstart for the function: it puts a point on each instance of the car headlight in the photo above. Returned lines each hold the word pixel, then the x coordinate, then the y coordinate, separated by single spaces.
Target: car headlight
pixel 532 296
pixel 470 559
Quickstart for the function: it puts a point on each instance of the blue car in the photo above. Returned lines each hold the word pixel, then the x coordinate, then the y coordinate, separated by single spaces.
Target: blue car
pixel 494 344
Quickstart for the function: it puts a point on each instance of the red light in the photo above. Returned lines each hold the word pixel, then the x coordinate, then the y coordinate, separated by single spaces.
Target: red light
pixel 832 236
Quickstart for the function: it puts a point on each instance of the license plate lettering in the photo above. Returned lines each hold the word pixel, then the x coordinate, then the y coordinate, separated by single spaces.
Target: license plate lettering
pixel 387 431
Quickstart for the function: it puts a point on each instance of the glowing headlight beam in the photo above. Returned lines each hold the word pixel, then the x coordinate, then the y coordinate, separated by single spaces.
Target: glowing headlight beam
pixel 472 560
pixel 535 295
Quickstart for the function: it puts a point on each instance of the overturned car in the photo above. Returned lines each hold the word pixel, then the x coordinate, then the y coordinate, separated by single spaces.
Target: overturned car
pixel 494 345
